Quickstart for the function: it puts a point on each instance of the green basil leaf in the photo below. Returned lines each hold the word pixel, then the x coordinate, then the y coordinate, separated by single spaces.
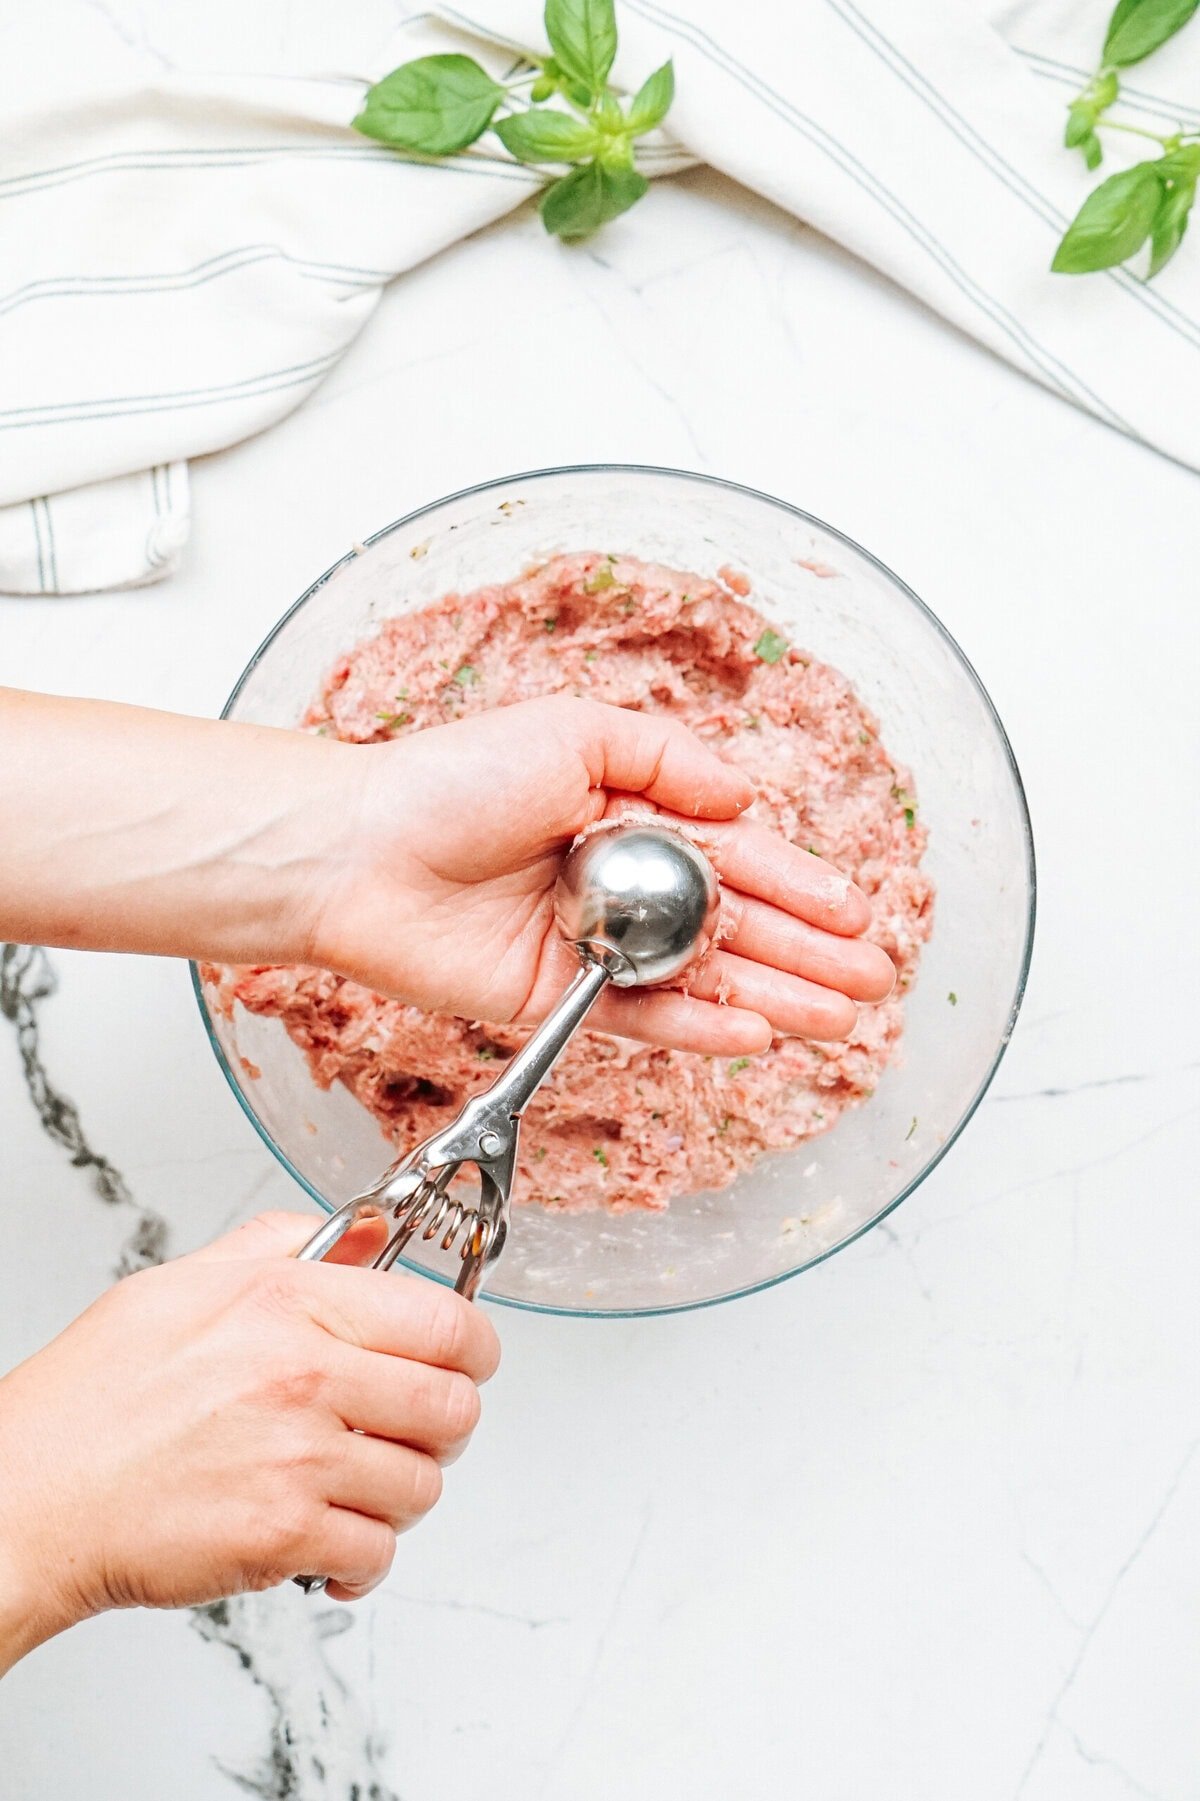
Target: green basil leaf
pixel 1179 172
pixel 1170 223
pixel 1093 153
pixel 608 112
pixel 1182 164
pixel 437 104
pixel 652 101
pixel 583 37
pixel 1139 26
pixel 546 136
pixel 1081 124
pixel 589 197
pixel 1113 222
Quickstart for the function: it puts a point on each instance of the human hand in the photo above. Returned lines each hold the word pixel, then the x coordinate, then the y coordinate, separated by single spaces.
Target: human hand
pixel 438 881
pixel 189 1436
pixel 424 867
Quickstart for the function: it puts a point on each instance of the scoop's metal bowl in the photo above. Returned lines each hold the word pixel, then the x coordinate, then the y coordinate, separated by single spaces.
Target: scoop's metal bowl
pixel 640 900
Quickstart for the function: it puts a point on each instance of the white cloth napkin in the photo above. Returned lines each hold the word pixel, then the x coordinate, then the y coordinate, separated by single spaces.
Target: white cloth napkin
pixel 182 261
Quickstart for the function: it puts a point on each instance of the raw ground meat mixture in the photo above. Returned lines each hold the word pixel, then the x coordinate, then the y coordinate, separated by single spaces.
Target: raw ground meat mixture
pixel 620 1125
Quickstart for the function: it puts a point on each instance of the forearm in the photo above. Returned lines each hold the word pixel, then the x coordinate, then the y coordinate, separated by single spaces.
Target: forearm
pixel 126 829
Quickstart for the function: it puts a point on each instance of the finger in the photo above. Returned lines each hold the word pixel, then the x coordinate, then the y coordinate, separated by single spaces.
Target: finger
pixel 768 935
pixel 647 753
pixel 274 1234
pixel 759 862
pixel 433 1410
pixel 681 1022
pixel 278 1234
pixel 353 1550
pixel 662 1016
pixel 792 1005
pixel 401 1316
pixel 388 1482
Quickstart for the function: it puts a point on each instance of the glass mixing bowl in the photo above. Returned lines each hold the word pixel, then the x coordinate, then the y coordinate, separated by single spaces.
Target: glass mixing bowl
pixel 794 1208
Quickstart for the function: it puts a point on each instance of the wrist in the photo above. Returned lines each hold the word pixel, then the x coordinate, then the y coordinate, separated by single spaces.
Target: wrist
pixel 40 1595
pixel 355 914
pixel 28 1615
pixel 286 844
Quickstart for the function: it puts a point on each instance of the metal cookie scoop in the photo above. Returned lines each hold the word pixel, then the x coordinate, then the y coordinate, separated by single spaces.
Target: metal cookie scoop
pixel 639 903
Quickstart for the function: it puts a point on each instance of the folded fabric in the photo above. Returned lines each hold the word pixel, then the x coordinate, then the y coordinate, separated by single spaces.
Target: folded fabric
pixel 186 259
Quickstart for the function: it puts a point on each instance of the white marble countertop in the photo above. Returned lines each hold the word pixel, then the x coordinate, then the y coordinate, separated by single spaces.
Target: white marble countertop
pixel 924 1523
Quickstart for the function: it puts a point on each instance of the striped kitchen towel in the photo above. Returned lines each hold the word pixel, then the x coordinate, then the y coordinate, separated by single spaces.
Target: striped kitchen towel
pixel 184 259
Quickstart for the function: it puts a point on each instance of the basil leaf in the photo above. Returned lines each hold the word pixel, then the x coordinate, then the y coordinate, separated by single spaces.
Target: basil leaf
pixel 437 104
pixel 583 37
pixel 546 136
pixel 1081 123
pixel 652 101
pixel 589 197
pixel 1113 222
pixel 1180 172
pixel 1139 26
pixel 1182 164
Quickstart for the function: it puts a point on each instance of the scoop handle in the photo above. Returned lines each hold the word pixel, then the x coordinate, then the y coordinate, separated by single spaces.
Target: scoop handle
pixel 528 1068
pixel 484 1133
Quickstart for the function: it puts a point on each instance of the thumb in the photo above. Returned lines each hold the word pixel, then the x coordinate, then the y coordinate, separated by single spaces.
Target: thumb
pixel 279 1234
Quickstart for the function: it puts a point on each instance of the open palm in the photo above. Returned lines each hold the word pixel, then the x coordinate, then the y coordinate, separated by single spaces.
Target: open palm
pixel 438 887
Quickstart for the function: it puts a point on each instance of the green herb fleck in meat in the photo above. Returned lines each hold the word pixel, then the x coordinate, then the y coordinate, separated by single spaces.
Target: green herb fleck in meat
pixel 770 647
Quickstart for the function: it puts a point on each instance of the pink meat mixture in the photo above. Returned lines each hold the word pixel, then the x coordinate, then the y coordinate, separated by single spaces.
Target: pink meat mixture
pixel 620 1125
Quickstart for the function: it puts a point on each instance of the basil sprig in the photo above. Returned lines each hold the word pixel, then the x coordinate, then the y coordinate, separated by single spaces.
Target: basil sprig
pixel 438 105
pixel 1154 199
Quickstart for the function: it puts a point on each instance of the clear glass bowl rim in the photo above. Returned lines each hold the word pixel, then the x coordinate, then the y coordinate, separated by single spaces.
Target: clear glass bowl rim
pixel 713 481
